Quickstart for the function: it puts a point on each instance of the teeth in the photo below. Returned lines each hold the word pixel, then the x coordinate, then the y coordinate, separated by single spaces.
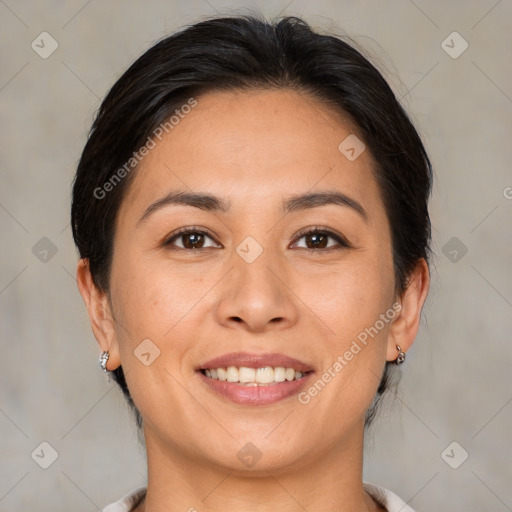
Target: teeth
pixel 265 375
pixel 289 374
pixel 232 374
pixel 280 374
pixel 253 376
pixel 246 374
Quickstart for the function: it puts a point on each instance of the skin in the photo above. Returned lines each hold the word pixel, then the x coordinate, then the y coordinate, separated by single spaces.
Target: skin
pixel 253 149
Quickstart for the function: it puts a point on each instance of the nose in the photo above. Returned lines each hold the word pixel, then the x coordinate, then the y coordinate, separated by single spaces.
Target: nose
pixel 257 297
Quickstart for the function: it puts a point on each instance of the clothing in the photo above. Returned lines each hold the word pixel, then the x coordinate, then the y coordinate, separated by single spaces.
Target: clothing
pixel 386 498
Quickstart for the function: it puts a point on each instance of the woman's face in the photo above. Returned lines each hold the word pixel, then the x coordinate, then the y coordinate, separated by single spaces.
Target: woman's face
pixel 248 284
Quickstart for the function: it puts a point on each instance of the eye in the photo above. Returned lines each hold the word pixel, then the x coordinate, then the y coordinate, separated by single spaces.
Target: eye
pixel 314 239
pixel 190 238
pixel 319 238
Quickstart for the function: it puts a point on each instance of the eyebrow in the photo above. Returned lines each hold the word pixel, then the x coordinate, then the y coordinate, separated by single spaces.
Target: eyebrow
pixel 315 199
pixel 212 203
pixel 203 201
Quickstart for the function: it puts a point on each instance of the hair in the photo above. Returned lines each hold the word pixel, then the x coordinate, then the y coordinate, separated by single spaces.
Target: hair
pixel 248 53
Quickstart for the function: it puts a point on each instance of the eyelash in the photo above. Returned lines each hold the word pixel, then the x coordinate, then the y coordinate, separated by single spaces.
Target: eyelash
pixel 339 239
pixel 342 242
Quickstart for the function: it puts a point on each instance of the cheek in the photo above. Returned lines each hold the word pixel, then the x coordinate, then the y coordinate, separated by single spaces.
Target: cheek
pixel 356 306
pixel 156 307
pixel 360 319
pixel 166 305
pixel 352 298
pixel 153 296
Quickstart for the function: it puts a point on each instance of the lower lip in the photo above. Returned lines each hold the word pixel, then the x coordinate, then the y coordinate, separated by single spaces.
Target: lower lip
pixel 256 395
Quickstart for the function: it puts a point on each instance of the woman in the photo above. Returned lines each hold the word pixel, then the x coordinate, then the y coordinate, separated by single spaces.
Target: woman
pixel 251 215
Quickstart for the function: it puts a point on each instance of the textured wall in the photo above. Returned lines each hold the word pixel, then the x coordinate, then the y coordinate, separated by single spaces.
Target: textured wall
pixel 456 384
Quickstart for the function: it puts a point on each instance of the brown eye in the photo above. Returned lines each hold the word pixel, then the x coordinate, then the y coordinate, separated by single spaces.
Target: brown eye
pixel 191 239
pixel 318 239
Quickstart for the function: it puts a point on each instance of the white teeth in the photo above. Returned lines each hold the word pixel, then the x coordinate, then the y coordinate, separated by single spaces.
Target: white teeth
pixel 253 376
pixel 279 374
pixel 290 374
pixel 265 375
pixel 232 374
pixel 246 374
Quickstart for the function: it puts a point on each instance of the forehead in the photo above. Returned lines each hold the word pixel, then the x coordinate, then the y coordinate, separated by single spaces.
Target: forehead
pixel 252 145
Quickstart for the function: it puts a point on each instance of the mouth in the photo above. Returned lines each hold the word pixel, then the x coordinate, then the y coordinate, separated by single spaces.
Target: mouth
pixel 255 379
pixel 245 376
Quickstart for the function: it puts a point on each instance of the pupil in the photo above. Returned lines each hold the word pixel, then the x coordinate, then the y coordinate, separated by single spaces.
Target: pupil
pixel 318 241
pixel 193 240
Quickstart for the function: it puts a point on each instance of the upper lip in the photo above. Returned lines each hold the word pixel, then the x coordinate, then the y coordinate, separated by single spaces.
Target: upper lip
pixel 256 361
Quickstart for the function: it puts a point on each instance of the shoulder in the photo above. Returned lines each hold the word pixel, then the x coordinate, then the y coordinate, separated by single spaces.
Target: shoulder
pixel 127 502
pixel 387 498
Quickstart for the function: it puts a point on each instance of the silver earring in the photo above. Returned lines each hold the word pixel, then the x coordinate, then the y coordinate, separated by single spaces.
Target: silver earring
pixel 401 356
pixel 103 360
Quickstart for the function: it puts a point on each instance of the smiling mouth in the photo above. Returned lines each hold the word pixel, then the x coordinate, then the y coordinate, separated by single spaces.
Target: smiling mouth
pixel 245 376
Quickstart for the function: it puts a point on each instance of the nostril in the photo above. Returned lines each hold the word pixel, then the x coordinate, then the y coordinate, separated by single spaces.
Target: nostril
pixel 236 319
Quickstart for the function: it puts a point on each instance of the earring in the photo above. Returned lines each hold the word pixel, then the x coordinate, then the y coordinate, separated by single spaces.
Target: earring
pixel 401 356
pixel 103 360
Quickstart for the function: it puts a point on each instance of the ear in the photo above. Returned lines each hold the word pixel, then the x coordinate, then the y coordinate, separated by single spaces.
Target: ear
pixel 100 313
pixel 405 325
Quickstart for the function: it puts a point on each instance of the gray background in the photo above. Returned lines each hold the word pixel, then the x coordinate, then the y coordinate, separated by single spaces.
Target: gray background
pixel 456 383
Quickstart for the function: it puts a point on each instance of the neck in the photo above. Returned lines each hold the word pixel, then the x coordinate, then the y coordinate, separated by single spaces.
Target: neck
pixel 330 483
